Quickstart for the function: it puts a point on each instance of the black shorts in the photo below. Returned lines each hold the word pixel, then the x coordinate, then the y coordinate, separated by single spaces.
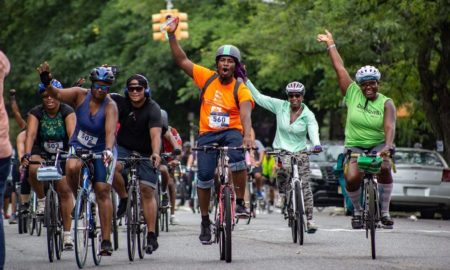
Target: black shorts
pixel 36 150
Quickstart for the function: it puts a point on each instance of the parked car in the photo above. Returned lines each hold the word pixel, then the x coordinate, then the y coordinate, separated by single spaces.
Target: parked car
pixel 422 182
pixel 324 183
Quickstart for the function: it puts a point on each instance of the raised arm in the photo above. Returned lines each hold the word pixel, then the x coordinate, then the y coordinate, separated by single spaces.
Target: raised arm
pixel 344 79
pixel 73 95
pixel 268 103
pixel 15 110
pixel 178 55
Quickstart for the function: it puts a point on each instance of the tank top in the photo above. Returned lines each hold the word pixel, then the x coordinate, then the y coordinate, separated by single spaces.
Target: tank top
pixel 90 129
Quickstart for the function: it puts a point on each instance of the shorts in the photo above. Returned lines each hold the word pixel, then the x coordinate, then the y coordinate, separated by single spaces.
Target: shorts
pixel 207 162
pixel 100 172
pixel 147 174
pixel 355 149
pixel 256 170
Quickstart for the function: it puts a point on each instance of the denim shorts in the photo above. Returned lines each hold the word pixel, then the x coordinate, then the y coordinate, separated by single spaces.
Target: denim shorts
pixel 147 174
pixel 207 162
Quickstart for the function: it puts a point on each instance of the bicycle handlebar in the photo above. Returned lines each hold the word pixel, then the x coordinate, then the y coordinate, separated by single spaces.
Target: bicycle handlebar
pixel 206 148
pixel 288 153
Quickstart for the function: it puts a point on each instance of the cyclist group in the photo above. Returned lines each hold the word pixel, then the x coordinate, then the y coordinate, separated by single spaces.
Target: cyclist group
pixel 116 125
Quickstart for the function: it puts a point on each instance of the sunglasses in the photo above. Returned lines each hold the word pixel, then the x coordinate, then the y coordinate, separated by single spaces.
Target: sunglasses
pixel 135 89
pixel 294 95
pixel 104 88
pixel 45 96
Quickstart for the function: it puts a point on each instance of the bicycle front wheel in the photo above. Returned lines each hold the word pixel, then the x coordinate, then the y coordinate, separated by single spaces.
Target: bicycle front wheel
pixel 292 220
pixel 96 238
pixel 372 216
pixel 131 223
pixel 300 213
pixel 50 223
pixel 115 227
pixel 228 223
pixel 81 229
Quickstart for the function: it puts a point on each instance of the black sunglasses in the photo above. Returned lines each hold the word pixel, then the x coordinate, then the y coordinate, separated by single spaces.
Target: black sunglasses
pixel 135 89
pixel 294 95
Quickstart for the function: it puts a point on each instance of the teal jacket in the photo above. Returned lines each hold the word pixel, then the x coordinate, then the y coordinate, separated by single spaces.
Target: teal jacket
pixel 290 137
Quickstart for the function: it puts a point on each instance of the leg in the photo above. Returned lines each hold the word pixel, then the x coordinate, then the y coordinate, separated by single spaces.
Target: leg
pixel 37 186
pixel 149 209
pixel 385 185
pixel 119 186
pixel 4 171
pixel 103 196
pixel 66 205
pixel 73 167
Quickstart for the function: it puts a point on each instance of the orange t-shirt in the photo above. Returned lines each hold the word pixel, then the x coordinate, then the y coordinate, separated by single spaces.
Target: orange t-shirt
pixel 218 110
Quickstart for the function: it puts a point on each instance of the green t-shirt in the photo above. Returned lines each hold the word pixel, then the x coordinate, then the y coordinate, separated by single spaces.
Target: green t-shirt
pixel 364 126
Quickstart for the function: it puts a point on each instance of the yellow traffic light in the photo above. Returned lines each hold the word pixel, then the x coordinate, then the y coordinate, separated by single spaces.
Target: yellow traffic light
pixel 160 18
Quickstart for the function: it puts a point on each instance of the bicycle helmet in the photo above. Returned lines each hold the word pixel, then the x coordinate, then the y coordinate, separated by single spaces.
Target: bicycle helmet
pixel 55 83
pixel 228 50
pixel 142 81
pixel 295 87
pixel 102 74
pixel 367 73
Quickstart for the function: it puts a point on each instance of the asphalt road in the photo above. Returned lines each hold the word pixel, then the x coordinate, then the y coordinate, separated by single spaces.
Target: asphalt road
pixel 264 244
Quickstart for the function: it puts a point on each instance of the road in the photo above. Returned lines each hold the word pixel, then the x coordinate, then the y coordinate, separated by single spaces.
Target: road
pixel 264 244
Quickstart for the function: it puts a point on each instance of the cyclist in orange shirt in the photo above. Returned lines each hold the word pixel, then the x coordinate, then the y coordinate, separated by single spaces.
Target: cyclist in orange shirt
pixel 225 115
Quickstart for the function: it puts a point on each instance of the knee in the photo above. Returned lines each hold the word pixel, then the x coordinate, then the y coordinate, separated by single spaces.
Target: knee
pixel 102 194
pixel 147 193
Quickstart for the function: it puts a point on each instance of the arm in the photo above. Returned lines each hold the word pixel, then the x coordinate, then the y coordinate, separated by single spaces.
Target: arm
pixel 344 79
pixel 70 122
pixel 246 119
pixel 155 136
pixel 268 103
pixel 20 144
pixel 389 124
pixel 32 129
pixel 313 129
pixel 110 124
pixel 169 137
pixel 178 55
pixel 15 110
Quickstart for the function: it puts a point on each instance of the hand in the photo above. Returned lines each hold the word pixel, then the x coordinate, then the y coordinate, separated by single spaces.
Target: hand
pixel 107 156
pixel 317 149
pixel 80 82
pixel 172 27
pixel 387 151
pixel 256 164
pixel 248 141
pixel 44 73
pixel 156 160
pixel 327 38
pixel 241 72
pixel 174 163
pixel 12 92
pixel 25 160
pixel 5 65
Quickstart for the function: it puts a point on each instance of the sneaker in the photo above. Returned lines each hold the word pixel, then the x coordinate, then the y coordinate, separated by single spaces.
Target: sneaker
pixel 281 201
pixel 241 210
pixel 259 195
pixel 122 208
pixel 24 208
pixel 205 234
pixel 13 219
pixel 311 226
pixel 165 200
pixel 173 220
pixel 152 244
pixel 387 221
pixel 40 207
pixel 68 242
pixel 106 248
pixel 357 222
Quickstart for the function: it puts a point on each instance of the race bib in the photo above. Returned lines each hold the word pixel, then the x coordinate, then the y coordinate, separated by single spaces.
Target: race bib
pixel 87 140
pixel 219 120
pixel 52 146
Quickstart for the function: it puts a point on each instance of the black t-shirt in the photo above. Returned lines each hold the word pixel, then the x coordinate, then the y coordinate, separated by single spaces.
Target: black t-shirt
pixel 52 132
pixel 135 124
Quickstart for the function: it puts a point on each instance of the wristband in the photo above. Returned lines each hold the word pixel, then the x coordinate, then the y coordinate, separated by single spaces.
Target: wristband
pixel 171 36
pixel 331 46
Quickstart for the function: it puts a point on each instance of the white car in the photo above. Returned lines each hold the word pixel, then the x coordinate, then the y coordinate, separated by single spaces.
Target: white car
pixel 422 182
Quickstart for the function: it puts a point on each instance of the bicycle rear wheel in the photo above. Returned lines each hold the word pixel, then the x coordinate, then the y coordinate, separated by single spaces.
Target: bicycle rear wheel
pixel 300 213
pixel 50 223
pixel 131 223
pixel 81 228
pixel 372 217
pixel 227 223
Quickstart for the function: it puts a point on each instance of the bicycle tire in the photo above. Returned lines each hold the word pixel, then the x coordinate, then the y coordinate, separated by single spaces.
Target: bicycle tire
pixel 31 221
pixel 142 240
pixel 372 215
pixel 131 223
pixel 38 226
pixel 58 244
pixel 59 228
pixel 115 227
pixel 166 220
pixel 291 218
pixel 96 238
pixel 300 214
pixel 81 229
pixel 49 219
pixel 20 220
pixel 228 223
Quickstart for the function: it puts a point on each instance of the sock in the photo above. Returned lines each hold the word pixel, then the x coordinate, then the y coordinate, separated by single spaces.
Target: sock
pixel 205 220
pixel 384 193
pixel 355 198
pixel 151 235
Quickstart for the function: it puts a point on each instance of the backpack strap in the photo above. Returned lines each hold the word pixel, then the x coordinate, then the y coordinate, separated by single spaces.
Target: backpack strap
pixel 212 78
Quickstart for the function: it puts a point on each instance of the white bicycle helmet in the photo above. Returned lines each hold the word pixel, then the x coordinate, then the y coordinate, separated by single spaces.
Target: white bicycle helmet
pixel 295 87
pixel 367 73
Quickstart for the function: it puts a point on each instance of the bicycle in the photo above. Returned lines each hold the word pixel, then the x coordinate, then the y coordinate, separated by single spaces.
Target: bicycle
pixel 225 202
pixel 194 196
pixel 85 221
pixel 370 164
pixel 22 214
pixel 296 214
pixel 136 225
pixel 34 221
pixel 164 210
pixel 51 173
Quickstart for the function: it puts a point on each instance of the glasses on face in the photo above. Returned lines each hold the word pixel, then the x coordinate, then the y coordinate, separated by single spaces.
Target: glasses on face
pixel 294 95
pixel 104 88
pixel 45 96
pixel 135 89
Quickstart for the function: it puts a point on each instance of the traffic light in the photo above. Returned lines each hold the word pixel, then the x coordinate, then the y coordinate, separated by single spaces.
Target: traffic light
pixel 160 18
